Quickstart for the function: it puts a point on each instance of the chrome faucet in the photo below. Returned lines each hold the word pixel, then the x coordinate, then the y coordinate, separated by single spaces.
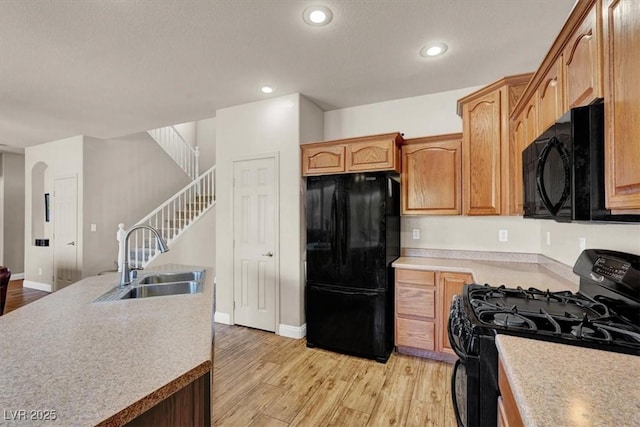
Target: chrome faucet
pixel 125 278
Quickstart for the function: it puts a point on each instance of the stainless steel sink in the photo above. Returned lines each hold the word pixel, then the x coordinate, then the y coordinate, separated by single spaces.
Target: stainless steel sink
pixel 156 285
pixel 175 288
pixel 171 277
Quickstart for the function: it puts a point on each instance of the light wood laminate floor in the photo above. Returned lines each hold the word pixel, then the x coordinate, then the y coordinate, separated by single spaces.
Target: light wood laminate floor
pixel 262 379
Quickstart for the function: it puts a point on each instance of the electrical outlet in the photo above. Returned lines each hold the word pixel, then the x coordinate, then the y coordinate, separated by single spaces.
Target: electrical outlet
pixel 503 235
pixel 416 234
pixel 582 243
pixel 548 238
pixel 39 271
pixel 94 227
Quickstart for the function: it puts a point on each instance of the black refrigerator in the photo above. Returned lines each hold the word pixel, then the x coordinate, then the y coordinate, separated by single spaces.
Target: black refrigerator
pixel 353 236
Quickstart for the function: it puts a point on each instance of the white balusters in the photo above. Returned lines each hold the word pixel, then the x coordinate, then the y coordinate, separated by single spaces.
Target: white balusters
pixel 171 219
pixel 178 149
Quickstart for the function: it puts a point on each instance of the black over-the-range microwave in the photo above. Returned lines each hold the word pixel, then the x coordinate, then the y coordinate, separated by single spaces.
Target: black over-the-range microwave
pixel 563 170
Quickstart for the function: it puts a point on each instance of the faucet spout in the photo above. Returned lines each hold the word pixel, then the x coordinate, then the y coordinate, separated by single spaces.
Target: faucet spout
pixel 125 278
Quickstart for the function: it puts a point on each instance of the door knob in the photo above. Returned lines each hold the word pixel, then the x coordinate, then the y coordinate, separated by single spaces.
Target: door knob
pixel 269 254
pixel 71 243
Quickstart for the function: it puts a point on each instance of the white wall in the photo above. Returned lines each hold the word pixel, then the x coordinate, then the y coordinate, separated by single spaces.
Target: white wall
pixel 12 181
pixel 436 114
pixel 63 158
pixel 206 141
pixel 417 116
pixel 267 126
pixel 126 178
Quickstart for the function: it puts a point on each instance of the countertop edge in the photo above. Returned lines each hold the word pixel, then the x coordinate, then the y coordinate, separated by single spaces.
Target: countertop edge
pixel 141 406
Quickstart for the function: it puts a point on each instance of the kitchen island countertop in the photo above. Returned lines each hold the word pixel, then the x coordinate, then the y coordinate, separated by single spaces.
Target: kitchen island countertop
pixel 564 385
pixel 101 363
pixel 495 273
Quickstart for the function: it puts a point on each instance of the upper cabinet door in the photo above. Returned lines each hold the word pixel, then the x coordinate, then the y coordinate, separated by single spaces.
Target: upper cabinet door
pixel 431 176
pixel 550 96
pixel 481 155
pixel 372 155
pixel 515 152
pixel 582 66
pixel 322 159
pixel 622 104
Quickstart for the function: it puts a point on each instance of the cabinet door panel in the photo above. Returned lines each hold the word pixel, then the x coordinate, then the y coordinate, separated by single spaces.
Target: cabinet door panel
pixel 366 156
pixel 516 148
pixel 622 108
pixel 481 122
pixel 415 333
pixel 581 64
pixel 550 97
pixel 431 176
pixel 323 160
pixel 450 284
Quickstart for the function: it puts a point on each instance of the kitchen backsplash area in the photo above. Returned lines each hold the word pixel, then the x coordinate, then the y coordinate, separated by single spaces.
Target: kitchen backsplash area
pixel 559 241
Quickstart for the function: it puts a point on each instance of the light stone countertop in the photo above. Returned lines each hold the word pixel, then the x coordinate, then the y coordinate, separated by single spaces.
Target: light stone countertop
pixel 495 273
pixel 564 385
pixel 89 362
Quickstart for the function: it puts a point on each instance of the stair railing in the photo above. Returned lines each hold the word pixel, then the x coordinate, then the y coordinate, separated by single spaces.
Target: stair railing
pixel 178 149
pixel 171 219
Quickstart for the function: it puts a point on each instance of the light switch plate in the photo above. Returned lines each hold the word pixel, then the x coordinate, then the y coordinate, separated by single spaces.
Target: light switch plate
pixel 94 227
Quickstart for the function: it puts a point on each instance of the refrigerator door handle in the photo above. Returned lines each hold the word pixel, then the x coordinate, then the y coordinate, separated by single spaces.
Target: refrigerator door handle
pixel 334 231
pixel 345 227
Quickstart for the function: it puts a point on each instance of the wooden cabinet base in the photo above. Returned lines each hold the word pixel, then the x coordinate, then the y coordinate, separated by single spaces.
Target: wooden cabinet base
pixel 189 406
pixel 443 357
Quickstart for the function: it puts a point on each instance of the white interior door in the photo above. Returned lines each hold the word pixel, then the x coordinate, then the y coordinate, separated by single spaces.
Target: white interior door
pixel 255 231
pixel 65 232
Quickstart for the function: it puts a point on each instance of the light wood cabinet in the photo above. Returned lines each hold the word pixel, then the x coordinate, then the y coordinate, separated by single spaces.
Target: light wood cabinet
pixel 515 152
pixel 365 154
pixel 423 299
pixel 550 97
pixel 622 104
pixel 449 284
pixel 485 146
pixel 508 413
pixel 431 175
pixel 582 62
pixel 415 309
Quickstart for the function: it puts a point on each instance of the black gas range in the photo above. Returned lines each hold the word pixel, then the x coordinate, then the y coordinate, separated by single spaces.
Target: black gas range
pixel 604 314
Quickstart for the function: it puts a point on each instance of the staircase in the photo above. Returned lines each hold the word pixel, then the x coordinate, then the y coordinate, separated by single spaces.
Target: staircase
pixel 173 217
pixel 178 149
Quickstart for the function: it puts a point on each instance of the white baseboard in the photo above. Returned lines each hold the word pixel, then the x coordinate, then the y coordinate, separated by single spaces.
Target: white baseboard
pixel 224 318
pixel 37 285
pixel 297 332
pixel 18 276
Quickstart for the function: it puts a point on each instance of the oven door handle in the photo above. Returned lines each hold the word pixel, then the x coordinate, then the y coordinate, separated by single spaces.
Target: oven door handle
pixel 455 345
pixel 454 397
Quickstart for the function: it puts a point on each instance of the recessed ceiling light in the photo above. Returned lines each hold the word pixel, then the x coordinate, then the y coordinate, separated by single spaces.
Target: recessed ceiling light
pixel 433 49
pixel 266 89
pixel 317 15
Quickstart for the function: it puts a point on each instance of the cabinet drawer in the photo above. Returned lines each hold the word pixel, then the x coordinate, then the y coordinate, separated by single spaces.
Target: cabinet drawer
pixel 412 300
pixel 415 333
pixel 418 277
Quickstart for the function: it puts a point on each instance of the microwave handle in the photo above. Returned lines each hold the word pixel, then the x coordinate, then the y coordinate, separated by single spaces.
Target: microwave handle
pixel 564 155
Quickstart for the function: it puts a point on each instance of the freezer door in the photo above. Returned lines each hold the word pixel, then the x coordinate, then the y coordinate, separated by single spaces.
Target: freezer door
pixel 350 321
pixel 322 229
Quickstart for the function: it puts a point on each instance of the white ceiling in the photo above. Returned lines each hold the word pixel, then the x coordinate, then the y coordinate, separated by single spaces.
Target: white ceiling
pixel 108 68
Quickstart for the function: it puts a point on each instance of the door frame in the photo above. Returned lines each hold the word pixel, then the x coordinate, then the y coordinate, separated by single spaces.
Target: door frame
pixel 78 241
pixel 275 155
